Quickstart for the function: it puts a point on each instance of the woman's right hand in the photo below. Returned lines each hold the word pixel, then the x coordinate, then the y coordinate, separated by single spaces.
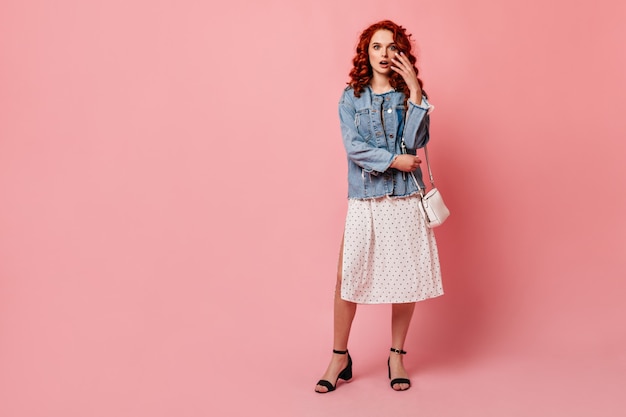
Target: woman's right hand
pixel 406 162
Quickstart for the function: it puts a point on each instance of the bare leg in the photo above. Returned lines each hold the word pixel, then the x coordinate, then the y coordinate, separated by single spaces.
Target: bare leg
pixel 401 315
pixel 344 312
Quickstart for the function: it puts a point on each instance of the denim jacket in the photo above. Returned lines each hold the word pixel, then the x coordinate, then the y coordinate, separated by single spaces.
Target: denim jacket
pixel 372 126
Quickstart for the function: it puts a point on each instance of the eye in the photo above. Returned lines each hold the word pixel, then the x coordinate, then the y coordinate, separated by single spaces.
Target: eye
pixel 376 47
pixel 393 48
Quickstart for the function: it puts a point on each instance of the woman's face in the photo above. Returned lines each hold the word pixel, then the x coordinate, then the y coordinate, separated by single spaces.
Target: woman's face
pixel 381 49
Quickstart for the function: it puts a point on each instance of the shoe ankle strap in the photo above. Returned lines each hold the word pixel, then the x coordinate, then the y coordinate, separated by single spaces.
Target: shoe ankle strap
pixel 398 351
pixel 340 352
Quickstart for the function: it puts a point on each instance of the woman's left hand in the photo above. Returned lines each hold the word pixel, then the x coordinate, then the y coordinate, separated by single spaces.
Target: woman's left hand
pixel 403 66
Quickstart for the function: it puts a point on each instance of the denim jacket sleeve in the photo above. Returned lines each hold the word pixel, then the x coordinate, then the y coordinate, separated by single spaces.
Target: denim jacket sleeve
pixel 363 153
pixel 416 130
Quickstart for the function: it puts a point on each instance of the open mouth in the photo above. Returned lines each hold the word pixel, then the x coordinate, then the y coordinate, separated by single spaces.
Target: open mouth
pixel 384 63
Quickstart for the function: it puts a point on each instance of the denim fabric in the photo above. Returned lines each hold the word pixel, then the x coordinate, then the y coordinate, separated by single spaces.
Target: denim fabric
pixel 371 127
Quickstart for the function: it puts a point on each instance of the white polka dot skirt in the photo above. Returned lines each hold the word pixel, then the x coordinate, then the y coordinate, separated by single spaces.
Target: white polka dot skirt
pixel 389 254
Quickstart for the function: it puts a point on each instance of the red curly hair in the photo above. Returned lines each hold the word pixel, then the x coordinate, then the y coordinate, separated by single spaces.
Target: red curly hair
pixel 361 73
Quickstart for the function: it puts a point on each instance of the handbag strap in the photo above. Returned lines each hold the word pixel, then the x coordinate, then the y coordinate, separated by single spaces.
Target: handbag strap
pixel 430 172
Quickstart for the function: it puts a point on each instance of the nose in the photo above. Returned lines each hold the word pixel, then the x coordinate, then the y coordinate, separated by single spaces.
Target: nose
pixel 384 51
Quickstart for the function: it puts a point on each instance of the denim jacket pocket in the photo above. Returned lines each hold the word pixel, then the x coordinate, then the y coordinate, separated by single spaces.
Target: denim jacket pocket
pixel 362 123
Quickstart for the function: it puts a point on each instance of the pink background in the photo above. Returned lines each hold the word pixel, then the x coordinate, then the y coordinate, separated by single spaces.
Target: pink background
pixel 172 197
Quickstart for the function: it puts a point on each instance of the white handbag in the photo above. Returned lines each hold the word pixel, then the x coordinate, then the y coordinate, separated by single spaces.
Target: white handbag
pixel 431 205
pixel 433 208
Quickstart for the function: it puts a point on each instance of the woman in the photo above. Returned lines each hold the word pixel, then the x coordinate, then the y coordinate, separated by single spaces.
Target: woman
pixel 388 254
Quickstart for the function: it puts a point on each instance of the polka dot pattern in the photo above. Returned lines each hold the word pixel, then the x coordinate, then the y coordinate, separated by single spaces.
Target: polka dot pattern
pixel 389 254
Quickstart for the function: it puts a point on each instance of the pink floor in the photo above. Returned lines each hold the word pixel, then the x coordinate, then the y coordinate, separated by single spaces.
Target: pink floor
pixel 180 367
pixel 513 386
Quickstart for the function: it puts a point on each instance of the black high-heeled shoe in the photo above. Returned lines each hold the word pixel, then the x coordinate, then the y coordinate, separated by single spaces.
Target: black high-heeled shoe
pixel 345 374
pixel 397 380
